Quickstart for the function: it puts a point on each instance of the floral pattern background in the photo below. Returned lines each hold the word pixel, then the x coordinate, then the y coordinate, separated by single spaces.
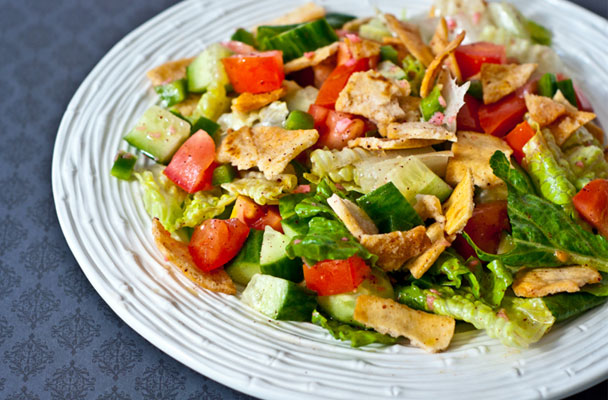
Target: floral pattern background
pixel 58 339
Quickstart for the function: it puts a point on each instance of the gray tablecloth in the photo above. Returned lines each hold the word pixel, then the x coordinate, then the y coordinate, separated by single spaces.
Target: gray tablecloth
pixel 58 339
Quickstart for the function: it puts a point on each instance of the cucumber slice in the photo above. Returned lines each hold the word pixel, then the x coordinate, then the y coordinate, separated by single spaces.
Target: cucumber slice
pixel 295 226
pixel 279 298
pixel 268 31
pixel 247 262
pixel 337 20
pixel 301 39
pixel 243 36
pixel 207 125
pixel 342 306
pixel 224 173
pixel 567 89
pixel 207 68
pixel 172 93
pixel 475 89
pixel 547 85
pixel 374 30
pixel 299 120
pixel 388 53
pixel 158 134
pixel 416 178
pixel 123 165
pixel 274 260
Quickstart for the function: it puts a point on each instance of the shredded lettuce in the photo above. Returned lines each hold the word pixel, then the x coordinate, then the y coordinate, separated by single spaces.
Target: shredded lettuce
pixel 263 191
pixel 301 98
pixel 358 337
pixel 202 206
pixel 273 114
pixel 585 157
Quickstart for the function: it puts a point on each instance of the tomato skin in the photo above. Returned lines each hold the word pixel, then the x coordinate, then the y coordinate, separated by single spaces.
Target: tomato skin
pixel 591 202
pixel 216 241
pixel 336 276
pixel 518 138
pixel 501 117
pixel 470 57
pixel 319 115
pixel 468 118
pixel 341 128
pixel 256 216
pixel 583 102
pixel 192 165
pixel 484 228
pixel 255 73
pixel 335 82
pixel 271 217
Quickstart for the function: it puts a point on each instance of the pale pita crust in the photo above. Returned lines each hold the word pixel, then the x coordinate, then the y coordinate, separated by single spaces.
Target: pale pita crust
pixel 499 80
pixel 539 282
pixel 318 56
pixel 169 71
pixel 543 110
pixel 372 143
pixel 418 130
pixel 395 248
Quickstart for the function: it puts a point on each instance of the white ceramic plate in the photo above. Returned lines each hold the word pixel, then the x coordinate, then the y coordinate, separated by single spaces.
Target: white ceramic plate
pixel 106 227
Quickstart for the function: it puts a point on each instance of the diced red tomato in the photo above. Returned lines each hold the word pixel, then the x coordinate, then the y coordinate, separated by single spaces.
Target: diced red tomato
pixel 518 137
pixel 319 115
pixel 470 57
pixel 271 218
pixel 217 241
pixel 484 227
pixel 592 204
pixel 336 276
pixel 582 100
pixel 321 72
pixel 302 189
pixel 341 128
pixel 468 118
pixel 191 167
pixel 255 73
pixel 335 82
pixel 256 216
pixel 343 53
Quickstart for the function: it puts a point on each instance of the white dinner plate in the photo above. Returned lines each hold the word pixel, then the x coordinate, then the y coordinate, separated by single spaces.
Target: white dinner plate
pixel 108 231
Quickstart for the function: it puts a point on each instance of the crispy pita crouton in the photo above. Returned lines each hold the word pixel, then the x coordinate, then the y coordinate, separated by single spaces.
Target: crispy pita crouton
pixel 429 206
pixel 248 101
pixel 177 254
pixel 238 149
pixel 395 248
pixel 430 75
pixel 355 24
pixel 305 13
pixel 474 150
pixel 354 218
pixel 539 282
pixel 499 80
pixel 439 42
pixel 565 126
pixel 418 130
pixel 169 71
pixel 411 106
pixel 419 265
pixel 460 205
pixel 411 40
pixel 187 107
pixel 372 143
pixel 427 331
pixel 371 95
pixel 362 48
pixel 543 109
pixel 317 57
pixel 596 131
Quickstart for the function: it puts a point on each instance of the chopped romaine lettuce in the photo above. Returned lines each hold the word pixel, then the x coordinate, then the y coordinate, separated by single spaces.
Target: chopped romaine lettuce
pixel 263 191
pixel 358 337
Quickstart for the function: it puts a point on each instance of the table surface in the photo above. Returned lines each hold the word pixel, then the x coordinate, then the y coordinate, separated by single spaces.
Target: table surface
pixel 58 339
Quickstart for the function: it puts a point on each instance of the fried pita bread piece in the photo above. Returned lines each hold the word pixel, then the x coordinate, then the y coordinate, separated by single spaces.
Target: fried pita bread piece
pixel 311 59
pixel 352 216
pixel 411 106
pixel 355 24
pixel 427 331
pixel 429 206
pixel 177 254
pixel 596 131
pixel 395 248
pixel 459 207
pixel 305 13
pixel 411 40
pixel 539 282
pixel 187 107
pixel 418 130
pixel 248 101
pixel 439 42
pixel 419 265
pixel 238 149
pixel 362 48
pixel 565 126
pixel 373 96
pixel 430 75
pixel 499 80
pixel 372 143
pixel 474 150
pixel 169 71
pixel 543 109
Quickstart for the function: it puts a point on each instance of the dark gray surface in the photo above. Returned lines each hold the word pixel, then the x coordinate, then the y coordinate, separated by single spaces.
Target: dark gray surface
pixel 58 339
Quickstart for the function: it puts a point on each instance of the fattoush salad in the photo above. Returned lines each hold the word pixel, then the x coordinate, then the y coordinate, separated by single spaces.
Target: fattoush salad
pixel 391 179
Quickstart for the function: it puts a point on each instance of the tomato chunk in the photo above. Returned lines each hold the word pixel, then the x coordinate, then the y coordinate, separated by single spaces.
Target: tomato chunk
pixel 255 73
pixel 336 276
pixel 217 241
pixel 256 216
pixel 341 128
pixel 271 217
pixel 191 167
pixel 518 137
pixel 485 228
pixel 592 204
pixel 470 57
pixel 335 82
pixel 468 118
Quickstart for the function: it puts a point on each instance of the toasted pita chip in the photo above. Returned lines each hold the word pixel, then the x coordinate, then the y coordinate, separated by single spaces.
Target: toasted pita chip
pixel 474 150
pixel 238 149
pixel 411 106
pixel 543 109
pixel 355 24
pixel 177 254
pixel 427 331
pixel 499 80
pixel 395 248
pixel 429 206
pixel 539 282
pixel 371 95
pixel 596 131
pixel 419 265
pixel 418 130
pixel 362 48
pixel 315 58
pixel 398 45
pixel 430 75
pixel 248 101
pixel 187 107
pixel 460 205
pixel 565 126
pixel 169 71
pixel 372 143
pixel 305 13
pixel 439 42
pixel 411 40
pixel 354 218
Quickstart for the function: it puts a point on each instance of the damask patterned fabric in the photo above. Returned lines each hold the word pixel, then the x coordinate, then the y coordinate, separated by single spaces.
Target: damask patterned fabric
pixel 58 339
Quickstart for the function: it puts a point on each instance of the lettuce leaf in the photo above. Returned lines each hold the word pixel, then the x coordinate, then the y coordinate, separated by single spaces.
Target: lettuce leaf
pixel 202 206
pixel 454 99
pixel 453 267
pixel 358 337
pixel 495 284
pixel 568 305
pixel 263 191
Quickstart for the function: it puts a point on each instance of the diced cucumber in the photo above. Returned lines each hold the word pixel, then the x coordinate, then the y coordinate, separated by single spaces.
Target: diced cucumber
pixel 268 31
pixel 337 20
pixel 123 165
pixel 475 89
pixel 172 93
pixel 158 134
pixel 538 33
pixel 391 71
pixel 301 39
pixel 388 53
pixel 431 104
pixel 567 89
pixel 207 125
pixel 374 30
pixel 243 36
pixel 294 226
pixel 212 103
pixel 279 298
pixel 547 85
pixel 299 120
pixel 389 210
pixel 416 178
pixel 342 306
pixel 224 173
pixel 274 260
pixel 247 262
pixel 207 68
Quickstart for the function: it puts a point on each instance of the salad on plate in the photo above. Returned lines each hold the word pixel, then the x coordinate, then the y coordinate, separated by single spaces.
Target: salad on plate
pixel 386 177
